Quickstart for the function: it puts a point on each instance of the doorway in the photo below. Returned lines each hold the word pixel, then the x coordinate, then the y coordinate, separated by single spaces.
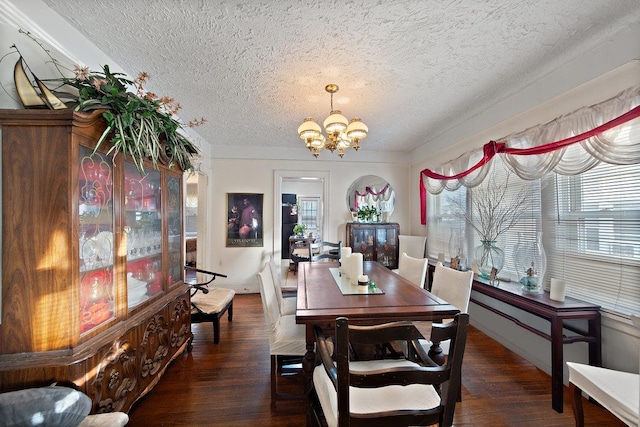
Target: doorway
pixel 298 182
pixel 195 203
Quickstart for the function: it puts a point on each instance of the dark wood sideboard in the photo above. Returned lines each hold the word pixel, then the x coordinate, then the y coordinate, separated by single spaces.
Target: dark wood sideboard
pixel 557 313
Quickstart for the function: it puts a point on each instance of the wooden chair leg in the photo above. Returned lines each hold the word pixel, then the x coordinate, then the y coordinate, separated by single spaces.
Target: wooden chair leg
pixel 230 312
pixel 576 404
pixel 216 330
pixel 274 378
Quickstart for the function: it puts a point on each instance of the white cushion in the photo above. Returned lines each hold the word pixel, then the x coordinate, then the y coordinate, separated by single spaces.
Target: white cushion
pixel 412 245
pixel 110 419
pixel 289 306
pixel 453 286
pixel 372 400
pixel 288 338
pixel 617 391
pixel 214 301
pixel 413 269
pixel 44 406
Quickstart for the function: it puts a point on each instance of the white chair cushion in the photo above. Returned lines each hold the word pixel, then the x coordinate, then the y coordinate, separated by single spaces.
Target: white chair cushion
pixel 369 400
pixel 618 392
pixel 288 338
pixel 110 419
pixel 412 245
pixel 289 306
pixel 413 269
pixel 214 301
pixel 453 286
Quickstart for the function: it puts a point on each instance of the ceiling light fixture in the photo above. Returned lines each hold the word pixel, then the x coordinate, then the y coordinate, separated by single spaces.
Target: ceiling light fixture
pixel 341 134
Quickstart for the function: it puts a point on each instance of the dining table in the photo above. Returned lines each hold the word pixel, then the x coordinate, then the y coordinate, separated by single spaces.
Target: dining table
pixel 325 294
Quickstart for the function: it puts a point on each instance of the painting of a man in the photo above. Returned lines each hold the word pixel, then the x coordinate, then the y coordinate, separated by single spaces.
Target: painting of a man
pixel 244 222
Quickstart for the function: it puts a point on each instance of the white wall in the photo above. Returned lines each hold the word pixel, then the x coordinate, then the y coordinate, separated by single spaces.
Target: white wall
pixel 257 176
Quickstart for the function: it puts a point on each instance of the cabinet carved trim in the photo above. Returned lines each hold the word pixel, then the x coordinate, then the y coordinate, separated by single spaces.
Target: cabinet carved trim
pixel 116 378
pixel 154 346
pixel 180 319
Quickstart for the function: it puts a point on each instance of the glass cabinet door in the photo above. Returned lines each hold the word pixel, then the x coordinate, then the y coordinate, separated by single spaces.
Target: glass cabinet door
pixel 363 242
pixel 143 227
pixel 174 220
pixel 386 246
pixel 95 238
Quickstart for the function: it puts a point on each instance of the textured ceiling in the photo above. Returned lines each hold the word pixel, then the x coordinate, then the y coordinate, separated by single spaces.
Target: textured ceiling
pixel 411 69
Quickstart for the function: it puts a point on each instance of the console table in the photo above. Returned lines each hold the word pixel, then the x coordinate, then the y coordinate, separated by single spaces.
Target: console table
pixel 556 312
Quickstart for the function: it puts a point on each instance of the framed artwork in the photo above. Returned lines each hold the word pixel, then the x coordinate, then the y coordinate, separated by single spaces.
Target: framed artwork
pixel 244 220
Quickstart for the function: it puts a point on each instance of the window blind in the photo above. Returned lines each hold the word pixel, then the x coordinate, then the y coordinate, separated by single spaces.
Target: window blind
pixel 594 235
pixel 443 213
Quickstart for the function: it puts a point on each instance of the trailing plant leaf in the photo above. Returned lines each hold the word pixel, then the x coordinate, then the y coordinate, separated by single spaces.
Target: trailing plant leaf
pixel 135 119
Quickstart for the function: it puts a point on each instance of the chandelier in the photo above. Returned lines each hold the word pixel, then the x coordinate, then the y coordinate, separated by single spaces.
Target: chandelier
pixel 341 134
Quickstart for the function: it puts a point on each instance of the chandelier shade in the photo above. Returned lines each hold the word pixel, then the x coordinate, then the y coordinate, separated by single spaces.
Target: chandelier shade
pixel 340 132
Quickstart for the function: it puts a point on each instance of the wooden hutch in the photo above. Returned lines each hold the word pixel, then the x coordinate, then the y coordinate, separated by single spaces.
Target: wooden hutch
pixel 376 241
pixel 92 262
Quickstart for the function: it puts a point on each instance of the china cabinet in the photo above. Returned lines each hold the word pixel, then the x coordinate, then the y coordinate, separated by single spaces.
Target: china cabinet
pixel 376 241
pixel 92 265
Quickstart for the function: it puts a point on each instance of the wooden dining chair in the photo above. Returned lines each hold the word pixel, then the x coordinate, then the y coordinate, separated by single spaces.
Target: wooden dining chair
pixel 327 250
pixel 287 340
pixel 409 391
pixel 317 252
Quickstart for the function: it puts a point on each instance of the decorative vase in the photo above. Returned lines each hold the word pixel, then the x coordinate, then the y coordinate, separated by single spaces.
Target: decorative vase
pixel 531 264
pixel 457 252
pixel 487 257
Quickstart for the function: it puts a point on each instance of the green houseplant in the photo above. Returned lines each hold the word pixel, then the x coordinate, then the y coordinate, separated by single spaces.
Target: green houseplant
pixel 139 123
pixel 368 213
pixel 299 229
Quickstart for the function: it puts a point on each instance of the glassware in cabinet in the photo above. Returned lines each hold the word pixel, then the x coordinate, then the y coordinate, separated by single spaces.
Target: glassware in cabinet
pixel 143 230
pixel 95 238
pixel 174 221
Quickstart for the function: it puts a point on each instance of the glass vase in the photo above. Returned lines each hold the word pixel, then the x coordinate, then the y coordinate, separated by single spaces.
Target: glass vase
pixel 531 264
pixel 487 257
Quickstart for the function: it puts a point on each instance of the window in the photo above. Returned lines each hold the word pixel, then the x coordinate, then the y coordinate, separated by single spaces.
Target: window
pixel 309 213
pixel 591 231
pixel 444 219
pixel 594 235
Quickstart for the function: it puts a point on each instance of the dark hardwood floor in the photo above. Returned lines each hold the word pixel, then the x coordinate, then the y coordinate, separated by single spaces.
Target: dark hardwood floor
pixel 228 384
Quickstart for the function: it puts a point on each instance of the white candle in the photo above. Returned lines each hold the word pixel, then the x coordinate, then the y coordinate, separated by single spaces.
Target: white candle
pixel 557 290
pixel 363 279
pixel 356 267
pixel 346 266
pixel 345 253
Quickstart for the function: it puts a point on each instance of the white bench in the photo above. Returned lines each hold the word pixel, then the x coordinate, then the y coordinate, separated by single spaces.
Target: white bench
pixel 616 391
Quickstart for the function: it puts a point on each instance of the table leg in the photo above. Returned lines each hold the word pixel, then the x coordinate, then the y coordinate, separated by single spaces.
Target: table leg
pixel 557 358
pixel 595 346
pixel 309 361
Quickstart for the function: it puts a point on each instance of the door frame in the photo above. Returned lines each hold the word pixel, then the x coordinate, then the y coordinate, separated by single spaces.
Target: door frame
pixel 295 175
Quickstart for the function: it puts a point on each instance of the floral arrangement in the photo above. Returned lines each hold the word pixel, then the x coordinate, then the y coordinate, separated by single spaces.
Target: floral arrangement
pixel 368 213
pixel 140 123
